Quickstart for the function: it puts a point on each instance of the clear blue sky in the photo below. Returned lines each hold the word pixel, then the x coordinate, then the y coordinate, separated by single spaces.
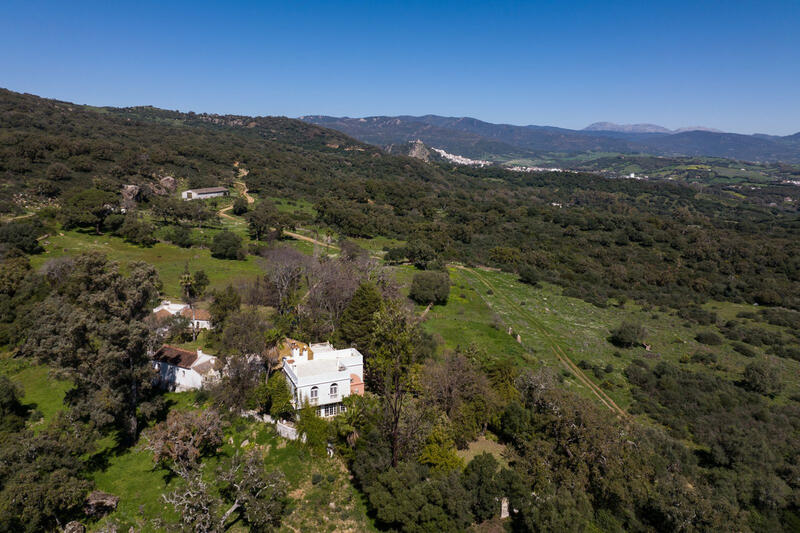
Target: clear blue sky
pixel 730 65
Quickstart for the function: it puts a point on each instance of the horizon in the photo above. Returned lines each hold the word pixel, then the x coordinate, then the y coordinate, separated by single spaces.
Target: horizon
pixel 564 66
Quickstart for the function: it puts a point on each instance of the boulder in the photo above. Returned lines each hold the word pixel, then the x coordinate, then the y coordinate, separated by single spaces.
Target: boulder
pixel 169 183
pixel 99 503
pixel 131 194
pixel 74 527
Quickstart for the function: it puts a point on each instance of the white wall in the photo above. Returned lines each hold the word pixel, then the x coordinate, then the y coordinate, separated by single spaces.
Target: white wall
pixel 181 379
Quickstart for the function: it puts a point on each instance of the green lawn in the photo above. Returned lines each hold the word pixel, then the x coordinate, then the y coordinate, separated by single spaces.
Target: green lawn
pixel 41 391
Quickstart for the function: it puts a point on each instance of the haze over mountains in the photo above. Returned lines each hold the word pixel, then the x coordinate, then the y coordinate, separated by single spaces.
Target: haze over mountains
pixel 501 142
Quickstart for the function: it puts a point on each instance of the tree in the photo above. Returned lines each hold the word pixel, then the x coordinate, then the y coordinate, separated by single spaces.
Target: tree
pixel 420 253
pixel 275 397
pixel 245 333
pixel 262 496
pixel 315 429
pixel 184 438
pixel 223 303
pixel 358 317
pixel 439 452
pixel 430 287
pixel 628 334
pixel 12 413
pixel 240 206
pixel 42 482
pixel 285 269
pixel 235 390
pixel 22 235
pixel 394 354
pixel 89 208
pixel 136 231
pixel 263 218
pixel 481 479
pixel 92 326
pixel 227 245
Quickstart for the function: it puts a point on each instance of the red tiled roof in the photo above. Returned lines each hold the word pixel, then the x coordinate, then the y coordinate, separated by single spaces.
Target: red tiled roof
pixel 163 314
pixel 199 314
pixel 176 356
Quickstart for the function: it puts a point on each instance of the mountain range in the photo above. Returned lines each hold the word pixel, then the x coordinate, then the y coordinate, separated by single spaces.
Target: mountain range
pixel 477 139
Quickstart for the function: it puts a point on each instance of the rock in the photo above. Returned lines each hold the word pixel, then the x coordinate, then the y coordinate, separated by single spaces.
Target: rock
pixel 74 527
pixel 332 505
pixel 169 183
pixel 99 503
pixel 245 442
pixel 131 194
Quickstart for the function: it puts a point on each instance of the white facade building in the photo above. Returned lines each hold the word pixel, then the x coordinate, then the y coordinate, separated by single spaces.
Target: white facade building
pixel 198 318
pixel 201 194
pixel 182 370
pixel 322 376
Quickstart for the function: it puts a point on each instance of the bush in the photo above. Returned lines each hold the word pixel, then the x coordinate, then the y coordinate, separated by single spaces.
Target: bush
pixel 762 377
pixel 744 349
pixel 430 287
pixel 528 274
pixel 227 245
pixel 705 358
pixel 180 236
pixel 317 478
pixel 708 337
pixel 627 335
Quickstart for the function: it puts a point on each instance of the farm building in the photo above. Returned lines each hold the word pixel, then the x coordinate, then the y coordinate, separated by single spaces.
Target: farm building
pixel 182 370
pixel 201 194
pixel 322 376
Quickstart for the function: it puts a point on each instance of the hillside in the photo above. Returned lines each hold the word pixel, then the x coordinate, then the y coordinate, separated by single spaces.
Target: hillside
pixel 607 354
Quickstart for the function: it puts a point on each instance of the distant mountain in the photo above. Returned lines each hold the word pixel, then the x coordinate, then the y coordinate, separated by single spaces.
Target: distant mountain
pixel 477 139
pixel 627 128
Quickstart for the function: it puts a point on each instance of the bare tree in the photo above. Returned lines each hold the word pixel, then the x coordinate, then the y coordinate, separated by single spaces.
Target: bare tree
pixel 184 437
pixel 286 268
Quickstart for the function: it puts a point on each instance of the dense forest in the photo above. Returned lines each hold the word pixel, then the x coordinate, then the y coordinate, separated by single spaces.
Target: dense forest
pixel 698 452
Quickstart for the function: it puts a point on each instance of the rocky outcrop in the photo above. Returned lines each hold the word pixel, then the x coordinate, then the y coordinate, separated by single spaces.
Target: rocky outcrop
pixel 74 527
pixel 99 503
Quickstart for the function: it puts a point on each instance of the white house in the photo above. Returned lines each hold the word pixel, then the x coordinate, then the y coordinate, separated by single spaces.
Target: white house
pixel 182 370
pixel 198 318
pixel 202 194
pixel 322 376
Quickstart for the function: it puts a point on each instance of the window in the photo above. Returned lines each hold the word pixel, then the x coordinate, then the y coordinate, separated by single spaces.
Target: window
pixel 314 394
pixel 329 410
pixel 334 390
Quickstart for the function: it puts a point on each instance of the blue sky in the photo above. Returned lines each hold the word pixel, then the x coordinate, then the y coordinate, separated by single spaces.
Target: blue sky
pixel 730 65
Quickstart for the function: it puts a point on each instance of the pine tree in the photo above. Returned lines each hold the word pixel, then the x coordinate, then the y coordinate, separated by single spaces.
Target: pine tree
pixel 358 318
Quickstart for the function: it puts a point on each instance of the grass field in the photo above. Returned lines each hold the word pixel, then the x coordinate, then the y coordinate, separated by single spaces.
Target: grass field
pixel 41 390
pixel 544 317
pixel 169 260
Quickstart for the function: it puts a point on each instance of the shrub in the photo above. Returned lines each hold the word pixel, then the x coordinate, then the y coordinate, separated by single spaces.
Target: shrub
pixel 744 349
pixel 528 274
pixel 317 478
pixel 180 236
pixel 705 358
pixel 762 377
pixel 708 337
pixel 227 245
pixel 628 334
pixel 430 287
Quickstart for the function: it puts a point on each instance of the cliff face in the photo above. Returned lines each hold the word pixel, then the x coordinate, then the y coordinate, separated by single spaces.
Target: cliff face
pixel 416 149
